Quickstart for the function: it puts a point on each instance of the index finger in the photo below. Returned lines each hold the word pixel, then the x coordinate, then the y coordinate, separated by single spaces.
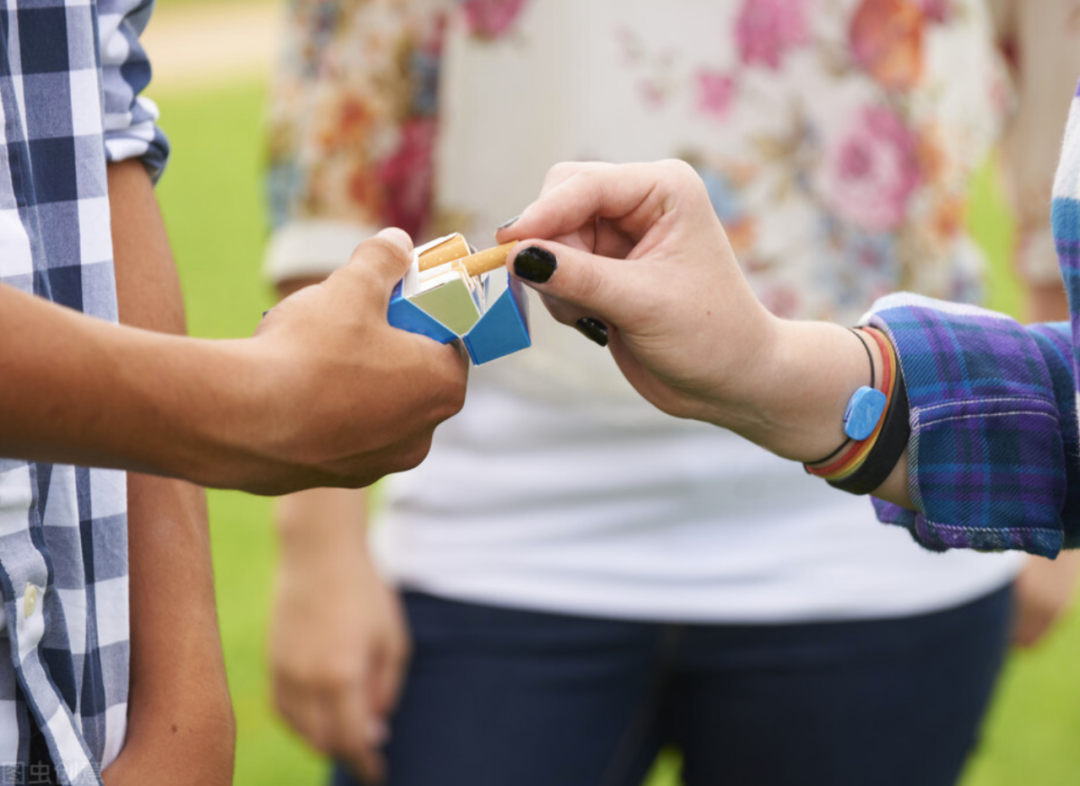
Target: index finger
pixel 632 196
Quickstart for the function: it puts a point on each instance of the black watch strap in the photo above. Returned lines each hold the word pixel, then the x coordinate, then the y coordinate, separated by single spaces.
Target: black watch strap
pixel 890 445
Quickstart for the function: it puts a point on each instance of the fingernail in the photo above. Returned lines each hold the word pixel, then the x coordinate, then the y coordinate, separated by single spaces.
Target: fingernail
pixel 399 237
pixel 509 223
pixel 534 264
pixel 593 329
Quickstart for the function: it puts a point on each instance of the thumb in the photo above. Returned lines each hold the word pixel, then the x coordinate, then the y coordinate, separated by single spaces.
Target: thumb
pixel 591 284
pixel 398 237
pixel 379 263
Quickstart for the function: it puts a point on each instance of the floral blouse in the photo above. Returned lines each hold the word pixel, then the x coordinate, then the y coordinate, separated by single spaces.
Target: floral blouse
pixel 836 137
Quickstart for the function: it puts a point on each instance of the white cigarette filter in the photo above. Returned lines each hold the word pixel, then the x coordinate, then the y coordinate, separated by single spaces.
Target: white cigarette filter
pixel 452 248
pixel 485 261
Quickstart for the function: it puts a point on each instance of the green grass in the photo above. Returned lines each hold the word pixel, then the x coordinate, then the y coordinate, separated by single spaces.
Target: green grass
pixel 212 200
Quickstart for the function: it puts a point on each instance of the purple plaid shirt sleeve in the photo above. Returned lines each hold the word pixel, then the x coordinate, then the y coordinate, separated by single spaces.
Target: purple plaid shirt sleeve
pixel 994 456
pixel 993 427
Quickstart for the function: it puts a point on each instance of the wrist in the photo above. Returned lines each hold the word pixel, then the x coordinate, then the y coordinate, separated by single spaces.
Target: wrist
pixel 734 392
pixel 240 413
pixel 807 374
pixel 229 417
pixel 323 527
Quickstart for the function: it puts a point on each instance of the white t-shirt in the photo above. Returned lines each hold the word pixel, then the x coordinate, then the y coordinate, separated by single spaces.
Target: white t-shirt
pixel 580 510
pixel 838 162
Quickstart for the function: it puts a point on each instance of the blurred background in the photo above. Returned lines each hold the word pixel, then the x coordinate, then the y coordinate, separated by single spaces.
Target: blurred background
pixel 211 59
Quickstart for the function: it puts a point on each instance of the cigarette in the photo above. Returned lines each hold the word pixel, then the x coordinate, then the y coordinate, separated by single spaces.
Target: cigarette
pixel 454 248
pixel 485 261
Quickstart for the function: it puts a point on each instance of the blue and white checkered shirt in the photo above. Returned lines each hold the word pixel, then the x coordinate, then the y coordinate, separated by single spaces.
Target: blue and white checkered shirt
pixel 71 72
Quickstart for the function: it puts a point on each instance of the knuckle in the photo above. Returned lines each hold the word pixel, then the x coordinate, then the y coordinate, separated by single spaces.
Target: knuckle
pixel 585 287
pixel 338 676
pixel 447 397
pixel 683 179
pixel 454 402
pixel 590 175
pixel 413 455
pixel 375 246
pixel 562 171
pixel 678 168
pixel 376 251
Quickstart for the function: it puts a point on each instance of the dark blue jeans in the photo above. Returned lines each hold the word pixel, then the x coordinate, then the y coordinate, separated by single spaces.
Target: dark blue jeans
pixel 497 697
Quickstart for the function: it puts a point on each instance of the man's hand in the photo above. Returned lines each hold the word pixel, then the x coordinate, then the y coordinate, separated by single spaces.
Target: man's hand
pixel 339 641
pixel 326 394
pixel 353 397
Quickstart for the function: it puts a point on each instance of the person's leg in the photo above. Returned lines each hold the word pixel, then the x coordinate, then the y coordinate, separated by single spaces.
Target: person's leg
pixel 887 702
pixel 496 697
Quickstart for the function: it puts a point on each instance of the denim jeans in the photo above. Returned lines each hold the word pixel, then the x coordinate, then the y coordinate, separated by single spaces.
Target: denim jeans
pixel 500 697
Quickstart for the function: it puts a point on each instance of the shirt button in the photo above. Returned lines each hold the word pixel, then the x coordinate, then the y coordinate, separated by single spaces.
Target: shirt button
pixel 30 601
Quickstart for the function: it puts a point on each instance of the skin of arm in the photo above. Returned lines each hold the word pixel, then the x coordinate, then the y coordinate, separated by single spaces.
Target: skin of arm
pixel 700 345
pixel 339 642
pixel 325 394
pixel 181 727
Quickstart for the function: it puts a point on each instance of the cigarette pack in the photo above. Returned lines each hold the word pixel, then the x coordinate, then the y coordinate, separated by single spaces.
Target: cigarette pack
pixel 440 299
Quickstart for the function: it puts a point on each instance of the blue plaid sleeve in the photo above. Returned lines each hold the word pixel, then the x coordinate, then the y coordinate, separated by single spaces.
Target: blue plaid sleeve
pixel 993 455
pixel 130 119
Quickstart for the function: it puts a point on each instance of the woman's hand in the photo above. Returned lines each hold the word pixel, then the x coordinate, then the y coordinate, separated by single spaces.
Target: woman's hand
pixel 339 642
pixel 639 248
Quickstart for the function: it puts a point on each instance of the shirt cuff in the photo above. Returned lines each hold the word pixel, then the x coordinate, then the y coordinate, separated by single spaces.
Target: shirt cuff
pixel 135 134
pixel 992 411
pixel 307 248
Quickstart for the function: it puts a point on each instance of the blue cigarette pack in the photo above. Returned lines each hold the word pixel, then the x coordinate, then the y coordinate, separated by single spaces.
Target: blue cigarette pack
pixel 489 312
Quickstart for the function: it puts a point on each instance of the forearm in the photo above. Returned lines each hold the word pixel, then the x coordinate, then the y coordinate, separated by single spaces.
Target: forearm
pixel 338 639
pixel 112 396
pixel 180 723
pixel 180 714
pixel 323 529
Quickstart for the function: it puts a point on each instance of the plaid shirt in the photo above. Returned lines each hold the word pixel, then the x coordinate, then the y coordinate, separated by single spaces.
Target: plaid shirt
pixel 994 457
pixel 70 76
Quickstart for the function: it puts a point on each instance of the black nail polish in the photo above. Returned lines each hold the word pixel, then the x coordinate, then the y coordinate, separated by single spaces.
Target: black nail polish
pixel 593 329
pixel 534 264
pixel 509 223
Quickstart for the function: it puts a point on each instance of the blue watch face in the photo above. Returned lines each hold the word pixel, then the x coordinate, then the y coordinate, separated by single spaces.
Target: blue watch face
pixel 863 412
